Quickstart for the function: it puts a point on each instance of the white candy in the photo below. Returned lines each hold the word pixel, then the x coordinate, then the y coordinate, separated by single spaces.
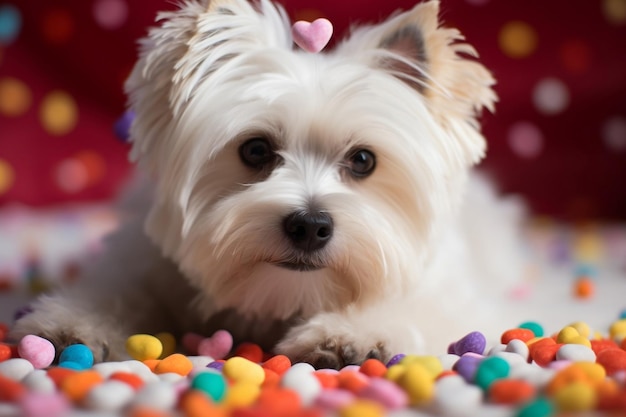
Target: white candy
pixel 141 370
pixel 109 396
pixel 160 395
pixel 38 381
pixel 16 369
pixel 106 369
pixel 302 367
pixel 454 397
pixel 171 377
pixel 512 359
pixel 519 347
pixel 304 383
pixel 575 353
pixel 497 348
pixel 534 374
pixel 448 360
pixel 199 362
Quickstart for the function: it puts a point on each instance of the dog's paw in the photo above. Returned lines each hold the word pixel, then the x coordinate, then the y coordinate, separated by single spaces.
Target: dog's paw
pixel 323 348
pixel 62 335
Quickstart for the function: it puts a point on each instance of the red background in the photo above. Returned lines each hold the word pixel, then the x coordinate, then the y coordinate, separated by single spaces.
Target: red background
pixel 576 168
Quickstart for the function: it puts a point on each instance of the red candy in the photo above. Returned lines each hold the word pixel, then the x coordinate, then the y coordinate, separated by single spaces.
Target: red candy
pixel 373 368
pixel 520 334
pixel 511 391
pixel 279 364
pixel 613 360
pixel 10 390
pixel 250 351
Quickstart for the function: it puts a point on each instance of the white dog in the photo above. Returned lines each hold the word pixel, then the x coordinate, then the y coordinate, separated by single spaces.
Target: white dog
pixel 317 204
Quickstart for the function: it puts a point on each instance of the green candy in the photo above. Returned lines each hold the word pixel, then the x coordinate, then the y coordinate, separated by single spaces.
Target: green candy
pixel 541 407
pixel 533 326
pixel 489 370
pixel 211 383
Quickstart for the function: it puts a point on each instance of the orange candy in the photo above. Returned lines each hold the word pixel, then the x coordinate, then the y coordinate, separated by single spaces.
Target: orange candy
pixel 58 375
pixel 584 288
pixel 152 363
pixel 373 368
pixel 131 379
pixel 279 402
pixel 197 404
pixel 147 412
pixel 272 379
pixel 279 364
pixel 176 363
pixel 444 374
pixel 602 344
pixel 613 360
pixel 520 334
pixel 77 385
pixel 5 352
pixel 565 377
pixel 10 390
pixel 352 381
pixel 511 391
pixel 608 394
pixel 250 351
pixel 327 380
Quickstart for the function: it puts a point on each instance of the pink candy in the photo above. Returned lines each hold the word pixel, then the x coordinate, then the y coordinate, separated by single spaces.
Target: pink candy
pixel 44 405
pixel 216 346
pixel 37 350
pixel 385 392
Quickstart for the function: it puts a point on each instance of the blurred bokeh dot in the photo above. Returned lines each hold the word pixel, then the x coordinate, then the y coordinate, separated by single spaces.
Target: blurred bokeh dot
pixel 615 11
pixel 525 140
pixel 614 133
pixel 576 56
pixel 71 175
pixel 58 113
pixel 10 23
pixel 15 97
pixel 94 164
pixel 110 14
pixel 7 176
pixel 551 96
pixel 57 26
pixel 517 39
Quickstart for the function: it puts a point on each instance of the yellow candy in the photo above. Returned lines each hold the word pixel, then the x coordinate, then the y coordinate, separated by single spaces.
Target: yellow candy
pixel 618 328
pixel 431 363
pixel 242 394
pixel 168 341
pixel 395 372
pixel 576 396
pixel 143 347
pixel 566 334
pixel 583 328
pixel 594 371
pixel 417 383
pixel 242 370
pixel 362 408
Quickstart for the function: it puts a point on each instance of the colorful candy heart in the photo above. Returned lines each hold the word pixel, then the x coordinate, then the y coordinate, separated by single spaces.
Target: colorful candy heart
pixel 312 36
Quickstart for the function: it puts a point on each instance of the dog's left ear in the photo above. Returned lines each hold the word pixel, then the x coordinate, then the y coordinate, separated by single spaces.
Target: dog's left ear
pixel 434 61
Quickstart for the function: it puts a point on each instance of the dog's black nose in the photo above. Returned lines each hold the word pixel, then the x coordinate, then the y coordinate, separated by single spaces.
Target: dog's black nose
pixel 309 231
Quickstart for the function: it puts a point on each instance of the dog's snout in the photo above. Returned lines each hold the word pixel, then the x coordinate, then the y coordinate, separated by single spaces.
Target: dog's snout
pixel 309 231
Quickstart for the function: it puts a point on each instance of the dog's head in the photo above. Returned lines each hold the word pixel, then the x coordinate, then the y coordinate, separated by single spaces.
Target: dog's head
pixel 289 182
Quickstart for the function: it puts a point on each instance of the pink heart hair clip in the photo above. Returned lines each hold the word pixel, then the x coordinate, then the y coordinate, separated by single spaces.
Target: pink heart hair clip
pixel 312 36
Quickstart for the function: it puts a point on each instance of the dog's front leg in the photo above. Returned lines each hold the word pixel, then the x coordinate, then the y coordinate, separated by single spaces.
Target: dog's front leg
pixel 337 339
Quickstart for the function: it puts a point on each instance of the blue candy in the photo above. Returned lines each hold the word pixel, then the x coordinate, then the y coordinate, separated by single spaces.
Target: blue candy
pixel 76 356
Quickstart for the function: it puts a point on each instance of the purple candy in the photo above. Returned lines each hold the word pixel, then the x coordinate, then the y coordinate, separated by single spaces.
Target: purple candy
pixel 473 342
pixel 122 125
pixel 216 365
pixel 395 360
pixel 467 366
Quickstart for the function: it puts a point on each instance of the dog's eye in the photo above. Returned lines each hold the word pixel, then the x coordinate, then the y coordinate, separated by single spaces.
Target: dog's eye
pixel 361 163
pixel 256 153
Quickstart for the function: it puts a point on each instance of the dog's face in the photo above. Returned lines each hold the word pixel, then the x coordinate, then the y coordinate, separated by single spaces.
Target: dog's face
pixel 290 182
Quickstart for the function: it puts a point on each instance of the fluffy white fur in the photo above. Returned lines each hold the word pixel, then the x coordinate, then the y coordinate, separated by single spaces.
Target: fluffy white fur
pixel 414 249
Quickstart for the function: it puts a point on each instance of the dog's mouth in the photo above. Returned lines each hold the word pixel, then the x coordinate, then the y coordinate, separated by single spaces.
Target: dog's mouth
pixel 299 266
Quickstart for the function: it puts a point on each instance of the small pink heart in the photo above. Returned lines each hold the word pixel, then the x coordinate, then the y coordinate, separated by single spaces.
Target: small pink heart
pixel 216 346
pixel 312 36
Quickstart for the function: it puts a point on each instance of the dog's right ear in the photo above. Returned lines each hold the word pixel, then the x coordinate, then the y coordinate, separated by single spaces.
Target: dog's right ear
pixel 189 46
